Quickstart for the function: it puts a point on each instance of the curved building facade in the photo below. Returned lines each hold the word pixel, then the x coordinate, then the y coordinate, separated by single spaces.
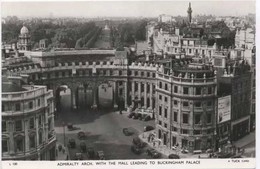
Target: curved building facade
pixel 186 96
pixel 27 121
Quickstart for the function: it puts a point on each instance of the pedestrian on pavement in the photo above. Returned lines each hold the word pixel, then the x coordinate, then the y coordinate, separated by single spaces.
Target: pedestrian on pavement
pixel 154 144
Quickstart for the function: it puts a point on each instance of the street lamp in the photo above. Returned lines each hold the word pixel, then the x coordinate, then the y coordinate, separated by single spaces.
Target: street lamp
pixel 63 124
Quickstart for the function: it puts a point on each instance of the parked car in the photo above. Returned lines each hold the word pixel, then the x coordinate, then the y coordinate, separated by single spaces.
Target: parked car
pixel 78 156
pixel 101 155
pixel 70 126
pixel 135 149
pixel 174 156
pixel 127 132
pixel 131 115
pixel 81 135
pixel 90 153
pixel 135 116
pixel 83 146
pixel 138 142
pixel 153 153
pixel 148 128
pixel 72 143
pixel 146 118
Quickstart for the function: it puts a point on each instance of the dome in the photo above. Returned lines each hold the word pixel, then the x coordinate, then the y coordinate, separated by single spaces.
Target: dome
pixel 24 30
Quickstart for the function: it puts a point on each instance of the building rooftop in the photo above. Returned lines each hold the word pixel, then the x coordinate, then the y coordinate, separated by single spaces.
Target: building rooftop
pixel 9 86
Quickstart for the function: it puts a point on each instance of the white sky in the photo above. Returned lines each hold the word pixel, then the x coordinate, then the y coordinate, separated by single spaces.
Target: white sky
pixel 125 8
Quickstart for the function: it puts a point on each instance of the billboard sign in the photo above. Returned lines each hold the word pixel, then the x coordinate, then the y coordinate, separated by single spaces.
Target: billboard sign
pixel 224 109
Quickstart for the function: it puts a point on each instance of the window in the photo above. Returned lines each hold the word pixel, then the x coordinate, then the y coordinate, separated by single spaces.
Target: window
pixel 160 122
pixel 189 50
pixel 153 74
pixel 148 74
pixel 142 87
pixel 18 125
pixel 166 99
pixel 175 89
pixel 160 110
pixel 31 126
pixel 17 107
pixel 40 137
pixel 184 131
pixel 32 141
pixel 175 116
pixel 209 90
pixel 49 124
pixel 4 146
pixel 148 88
pixel 165 113
pixel 175 102
pixel 40 120
pixel 39 102
pixel 165 125
pixel 19 145
pixel 3 107
pixel 160 97
pixel 136 73
pixel 209 118
pixel 185 104
pixel 136 86
pixel 120 72
pixel 197 119
pixel 165 86
pixel 160 84
pixel 174 129
pixel 198 91
pixel 3 126
pixel 209 103
pixel 30 105
pixel 142 73
pixel 185 118
pixel 197 132
pixel 185 90
pixel 197 104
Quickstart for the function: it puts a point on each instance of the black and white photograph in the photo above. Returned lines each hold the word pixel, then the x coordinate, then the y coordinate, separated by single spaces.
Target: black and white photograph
pixel 128 80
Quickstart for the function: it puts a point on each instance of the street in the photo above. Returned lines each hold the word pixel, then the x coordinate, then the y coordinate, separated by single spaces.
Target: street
pixel 104 131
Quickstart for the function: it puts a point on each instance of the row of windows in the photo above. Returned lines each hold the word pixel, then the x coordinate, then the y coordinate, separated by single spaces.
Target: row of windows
pixel 18 124
pixel 185 117
pixel 136 86
pixel 19 143
pixel 18 105
pixel 137 73
pixel 186 91
pixel 186 103
pixel 99 72
pixel 184 131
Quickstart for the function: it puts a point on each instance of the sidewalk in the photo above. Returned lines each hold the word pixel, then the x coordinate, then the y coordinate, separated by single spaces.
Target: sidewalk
pixel 245 140
pixel 63 154
pixel 165 150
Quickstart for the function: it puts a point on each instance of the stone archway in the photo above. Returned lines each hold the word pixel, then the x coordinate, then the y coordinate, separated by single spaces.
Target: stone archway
pixel 105 95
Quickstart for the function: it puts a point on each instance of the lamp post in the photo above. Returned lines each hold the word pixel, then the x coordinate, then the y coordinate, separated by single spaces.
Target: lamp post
pixel 63 124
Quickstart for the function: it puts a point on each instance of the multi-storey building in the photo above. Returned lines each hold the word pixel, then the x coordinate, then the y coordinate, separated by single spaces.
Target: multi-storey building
pixel 236 82
pixel 24 43
pixel 245 38
pixel 186 99
pixel 27 121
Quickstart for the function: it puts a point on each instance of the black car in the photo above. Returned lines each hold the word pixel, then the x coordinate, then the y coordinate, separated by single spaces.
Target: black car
pixel 131 115
pixel 174 156
pixel 81 135
pixel 70 126
pixel 127 132
pixel 72 143
pixel 135 149
pixel 90 153
pixel 148 128
pixel 153 153
pixel 78 156
pixel 138 142
pixel 146 118
pixel 135 116
pixel 83 146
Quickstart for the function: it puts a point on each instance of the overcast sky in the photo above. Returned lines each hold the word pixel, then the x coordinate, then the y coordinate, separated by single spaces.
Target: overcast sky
pixel 125 8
